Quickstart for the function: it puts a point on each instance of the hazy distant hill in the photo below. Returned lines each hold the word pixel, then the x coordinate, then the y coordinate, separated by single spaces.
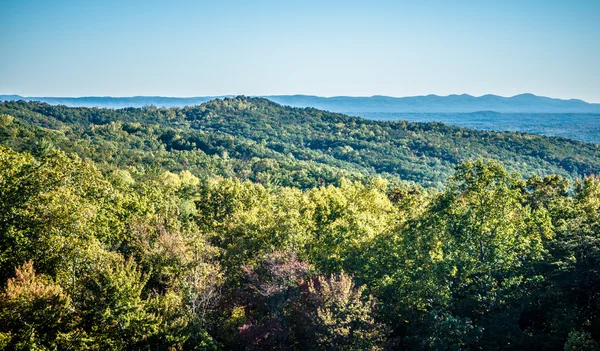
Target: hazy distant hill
pixel 524 103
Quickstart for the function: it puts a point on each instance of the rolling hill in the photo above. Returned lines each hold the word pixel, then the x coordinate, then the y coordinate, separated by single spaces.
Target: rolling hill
pixel 257 139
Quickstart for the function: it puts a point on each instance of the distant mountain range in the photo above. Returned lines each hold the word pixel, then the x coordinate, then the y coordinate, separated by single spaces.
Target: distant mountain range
pixel 524 103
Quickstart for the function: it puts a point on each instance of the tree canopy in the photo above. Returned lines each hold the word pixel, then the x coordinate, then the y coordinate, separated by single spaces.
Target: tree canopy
pixel 119 230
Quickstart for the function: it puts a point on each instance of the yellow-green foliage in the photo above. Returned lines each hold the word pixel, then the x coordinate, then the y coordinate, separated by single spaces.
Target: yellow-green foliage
pixel 95 257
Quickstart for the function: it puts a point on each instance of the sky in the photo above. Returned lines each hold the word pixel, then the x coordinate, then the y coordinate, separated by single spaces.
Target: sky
pixel 326 48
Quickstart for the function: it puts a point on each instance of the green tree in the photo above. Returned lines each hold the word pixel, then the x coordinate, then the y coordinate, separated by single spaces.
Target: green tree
pixel 339 316
pixel 36 313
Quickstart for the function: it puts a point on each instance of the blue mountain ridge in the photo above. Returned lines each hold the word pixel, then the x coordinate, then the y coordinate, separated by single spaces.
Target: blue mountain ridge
pixel 523 103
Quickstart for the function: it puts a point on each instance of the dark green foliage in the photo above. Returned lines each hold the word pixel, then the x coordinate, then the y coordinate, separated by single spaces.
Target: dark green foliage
pixel 241 224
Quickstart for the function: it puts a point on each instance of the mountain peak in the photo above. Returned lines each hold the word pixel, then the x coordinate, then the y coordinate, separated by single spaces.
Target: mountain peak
pixel 529 95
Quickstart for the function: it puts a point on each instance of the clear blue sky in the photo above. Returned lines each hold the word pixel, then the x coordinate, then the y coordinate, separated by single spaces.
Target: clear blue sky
pixel 254 47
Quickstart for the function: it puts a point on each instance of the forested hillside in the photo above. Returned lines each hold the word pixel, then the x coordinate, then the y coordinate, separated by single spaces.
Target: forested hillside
pixel 243 225
pixel 252 138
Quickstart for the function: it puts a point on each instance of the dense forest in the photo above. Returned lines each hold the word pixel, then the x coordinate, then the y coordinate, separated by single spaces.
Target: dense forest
pixel 258 140
pixel 241 224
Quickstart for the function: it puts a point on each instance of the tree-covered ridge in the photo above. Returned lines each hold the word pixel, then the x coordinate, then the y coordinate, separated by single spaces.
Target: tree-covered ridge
pixel 256 139
pixel 170 261
pixel 242 224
